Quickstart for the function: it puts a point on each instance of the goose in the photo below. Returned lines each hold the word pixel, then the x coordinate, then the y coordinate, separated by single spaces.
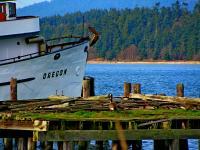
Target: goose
pixel 112 105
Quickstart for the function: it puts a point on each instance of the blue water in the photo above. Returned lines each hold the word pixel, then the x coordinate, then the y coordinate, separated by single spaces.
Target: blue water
pixel 155 78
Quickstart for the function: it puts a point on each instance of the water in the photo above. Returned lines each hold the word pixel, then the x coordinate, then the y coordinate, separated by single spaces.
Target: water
pixel 155 78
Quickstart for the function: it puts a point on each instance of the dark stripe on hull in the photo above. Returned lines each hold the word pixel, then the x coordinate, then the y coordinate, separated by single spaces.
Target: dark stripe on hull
pixel 18 81
pixel 24 35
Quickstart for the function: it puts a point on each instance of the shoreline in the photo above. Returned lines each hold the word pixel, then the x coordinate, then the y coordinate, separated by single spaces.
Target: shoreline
pixel 143 62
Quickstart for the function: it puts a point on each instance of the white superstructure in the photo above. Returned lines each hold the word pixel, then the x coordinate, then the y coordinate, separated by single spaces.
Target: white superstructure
pixel 20 26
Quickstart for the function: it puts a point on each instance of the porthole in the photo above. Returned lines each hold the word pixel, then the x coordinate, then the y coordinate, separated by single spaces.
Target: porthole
pixel 57 56
pixel 18 43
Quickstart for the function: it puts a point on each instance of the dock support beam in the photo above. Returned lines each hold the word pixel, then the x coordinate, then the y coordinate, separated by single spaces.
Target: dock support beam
pixel 116 145
pixel 82 145
pixel 174 144
pixel 22 143
pixel 99 145
pixel 67 145
pixel 7 143
pixel 137 145
pixel 127 89
pixel 183 144
pixel 31 144
pixel 158 144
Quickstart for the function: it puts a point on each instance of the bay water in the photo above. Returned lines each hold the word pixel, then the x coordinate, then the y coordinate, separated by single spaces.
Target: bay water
pixel 154 78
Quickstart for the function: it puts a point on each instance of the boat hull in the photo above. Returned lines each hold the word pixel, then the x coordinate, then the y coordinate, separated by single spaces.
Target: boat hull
pixel 57 73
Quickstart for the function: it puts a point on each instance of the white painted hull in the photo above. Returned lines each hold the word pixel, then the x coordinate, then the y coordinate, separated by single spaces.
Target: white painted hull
pixel 48 76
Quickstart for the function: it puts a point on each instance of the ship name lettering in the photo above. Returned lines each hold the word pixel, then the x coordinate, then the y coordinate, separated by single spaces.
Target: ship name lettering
pixel 54 74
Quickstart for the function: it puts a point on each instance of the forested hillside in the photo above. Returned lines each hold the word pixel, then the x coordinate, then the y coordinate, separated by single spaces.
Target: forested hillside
pixel 60 7
pixel 168 33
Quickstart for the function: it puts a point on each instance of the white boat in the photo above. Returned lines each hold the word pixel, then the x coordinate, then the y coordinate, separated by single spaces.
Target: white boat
pixel 42 67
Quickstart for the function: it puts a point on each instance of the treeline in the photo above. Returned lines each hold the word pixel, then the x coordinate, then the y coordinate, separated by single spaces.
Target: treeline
pixel 159 33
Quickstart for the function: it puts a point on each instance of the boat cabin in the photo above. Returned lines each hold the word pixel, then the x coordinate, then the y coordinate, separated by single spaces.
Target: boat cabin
pixel 7 10
pixel 19 36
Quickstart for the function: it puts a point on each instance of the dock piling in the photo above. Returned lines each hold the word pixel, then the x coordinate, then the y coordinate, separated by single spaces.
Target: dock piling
pixel 88 87
pixel 22 143
pixel 127 89
pixel 13 89
pixel 180 90
pixel 99 145
pixel 31 144
pixel 137 88
pixel 7 143
pixel 60 145
pixel 67 145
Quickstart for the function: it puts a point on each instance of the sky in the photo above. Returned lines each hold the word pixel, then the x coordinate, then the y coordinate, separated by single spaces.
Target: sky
pixel 22 3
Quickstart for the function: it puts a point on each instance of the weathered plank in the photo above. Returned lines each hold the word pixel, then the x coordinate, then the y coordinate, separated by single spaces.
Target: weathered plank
pixel 24 125
pixel 101 135
pixel 152 122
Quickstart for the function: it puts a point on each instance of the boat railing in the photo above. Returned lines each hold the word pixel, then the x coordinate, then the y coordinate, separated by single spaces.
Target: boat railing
pixel 65 37
pixel 41 53
pixel 18 58
pixel 64 41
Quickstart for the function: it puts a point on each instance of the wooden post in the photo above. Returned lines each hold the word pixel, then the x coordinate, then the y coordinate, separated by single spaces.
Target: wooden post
pixel 115 145
pixel 31 144
pixel 22 144
pixel 48 145
pixel 92 88
pixel 60 145
pixel 136 145
pixel 7 143
pixel 82 145
pixel 127 89
pixel 13 89
pixel 183 144
pixel 137 88
pixel 88 87
pixel 164 144
pixel 67 145
pixel 174 144
pixel 180 90
pixel 199 144
pixel 99 145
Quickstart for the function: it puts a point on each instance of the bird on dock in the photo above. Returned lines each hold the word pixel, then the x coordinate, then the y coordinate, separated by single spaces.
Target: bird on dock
pixel 112 105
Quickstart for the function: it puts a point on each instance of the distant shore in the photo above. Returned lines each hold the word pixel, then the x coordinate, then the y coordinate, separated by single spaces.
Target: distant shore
pixel 143 62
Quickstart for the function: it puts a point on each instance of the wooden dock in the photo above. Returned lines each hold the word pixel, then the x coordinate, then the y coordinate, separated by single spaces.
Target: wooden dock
pixel 167 120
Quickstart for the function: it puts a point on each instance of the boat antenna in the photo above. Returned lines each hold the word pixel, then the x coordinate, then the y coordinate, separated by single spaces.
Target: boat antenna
pixel 83 26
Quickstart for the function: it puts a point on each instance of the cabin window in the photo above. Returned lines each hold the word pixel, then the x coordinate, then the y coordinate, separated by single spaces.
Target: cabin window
pixel 12 10
pixel 1 8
